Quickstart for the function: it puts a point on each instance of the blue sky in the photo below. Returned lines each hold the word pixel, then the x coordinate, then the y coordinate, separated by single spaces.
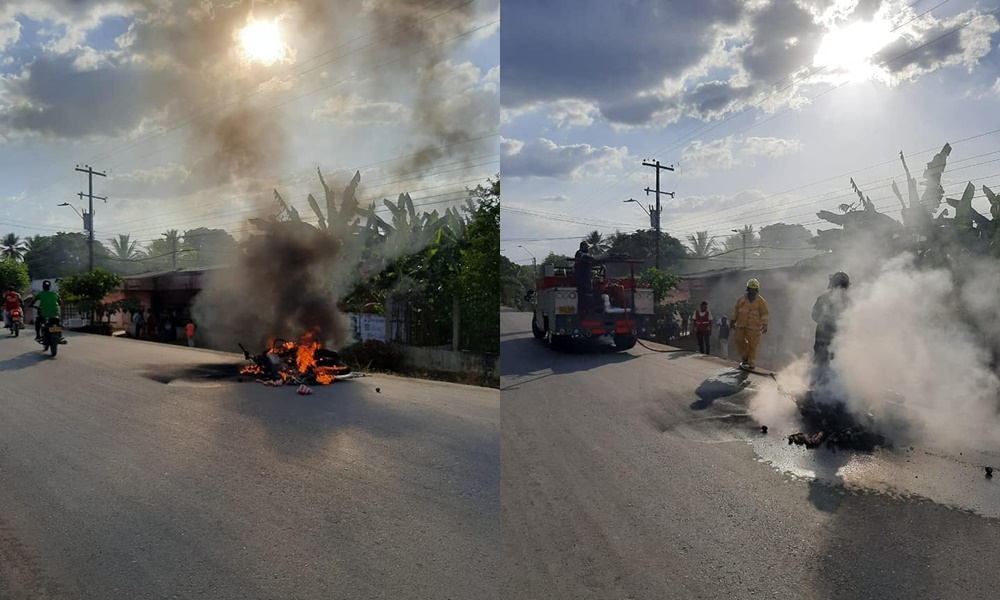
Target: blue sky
pixel 766 109
pixel 165 98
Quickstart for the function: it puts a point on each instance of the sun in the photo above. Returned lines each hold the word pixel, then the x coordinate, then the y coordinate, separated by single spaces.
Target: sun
pixel 261 42
pixel 847 51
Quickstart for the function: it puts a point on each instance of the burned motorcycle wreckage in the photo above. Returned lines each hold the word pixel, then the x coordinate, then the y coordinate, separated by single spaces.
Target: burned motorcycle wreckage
pixel 823 408
pixel 295 363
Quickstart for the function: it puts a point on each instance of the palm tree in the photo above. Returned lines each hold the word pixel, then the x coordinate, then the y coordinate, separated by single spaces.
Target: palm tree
pixel 732 243
pixel 595 239
pixel 701 246
pixel 168 250
pixel 13 247
pixel 173 239
pixel 124 248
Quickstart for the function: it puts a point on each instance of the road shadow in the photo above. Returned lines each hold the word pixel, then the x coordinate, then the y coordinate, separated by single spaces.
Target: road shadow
pixel 295 424
pixel 826 489
pixel 524 356
pixel 300 425
pixel 727 382
pixel 25 359
pixel 895 548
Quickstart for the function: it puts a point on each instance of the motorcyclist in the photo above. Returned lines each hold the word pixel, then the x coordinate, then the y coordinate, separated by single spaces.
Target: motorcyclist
pixel 749 321
pixel 826 313
pixel 11 301
pixel 46 305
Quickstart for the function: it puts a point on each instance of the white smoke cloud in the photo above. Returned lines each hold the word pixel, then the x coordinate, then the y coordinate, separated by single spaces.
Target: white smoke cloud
pixel 354 109
pixel 905 333
pixel 913 349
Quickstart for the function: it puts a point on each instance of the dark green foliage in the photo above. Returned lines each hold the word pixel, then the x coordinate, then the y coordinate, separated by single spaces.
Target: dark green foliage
pixel 209 247
pixel 13 273
pixel 373 355
pixel 88 291
pixel 479 279
pixel 62 254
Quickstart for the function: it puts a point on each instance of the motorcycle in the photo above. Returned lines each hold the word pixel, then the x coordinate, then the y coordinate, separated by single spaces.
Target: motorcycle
pixel 15 321
pixel 52 336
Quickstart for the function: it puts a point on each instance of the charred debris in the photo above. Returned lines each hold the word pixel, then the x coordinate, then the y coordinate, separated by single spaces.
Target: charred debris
pixel 831 424
pixel 295 363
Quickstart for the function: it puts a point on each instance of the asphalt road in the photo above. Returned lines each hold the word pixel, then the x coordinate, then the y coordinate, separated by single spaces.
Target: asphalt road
pixel 132 470
pixel 627 475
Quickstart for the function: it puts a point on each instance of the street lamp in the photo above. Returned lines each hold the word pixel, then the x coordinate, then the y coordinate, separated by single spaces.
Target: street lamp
pixel 76 211
pixel 534 267
pixel 652 219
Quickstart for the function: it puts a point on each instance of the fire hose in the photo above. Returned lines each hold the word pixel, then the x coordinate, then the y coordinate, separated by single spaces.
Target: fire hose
pixel 670 351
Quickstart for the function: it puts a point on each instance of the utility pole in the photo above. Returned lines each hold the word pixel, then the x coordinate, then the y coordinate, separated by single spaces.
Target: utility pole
pixel 88 217
pixel 655 215
pixel 534 266
pixel 744 234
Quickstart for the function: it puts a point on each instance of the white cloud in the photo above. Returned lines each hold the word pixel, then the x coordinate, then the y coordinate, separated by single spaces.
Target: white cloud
pixel 554 198
pixel 573 113
pixel 10 33
pixel 927 46
pixel 545 158
pixel 699 159
pixel 161 173
pixel 354 110
pixel 491 82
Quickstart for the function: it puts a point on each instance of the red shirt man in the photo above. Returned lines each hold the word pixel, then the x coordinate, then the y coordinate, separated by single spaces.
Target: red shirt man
pixel 11 300
pixel 703 328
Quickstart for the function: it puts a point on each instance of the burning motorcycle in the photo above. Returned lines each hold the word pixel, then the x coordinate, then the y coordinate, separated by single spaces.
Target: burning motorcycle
pixel 52 336
pixel 15 322
pixel 304 362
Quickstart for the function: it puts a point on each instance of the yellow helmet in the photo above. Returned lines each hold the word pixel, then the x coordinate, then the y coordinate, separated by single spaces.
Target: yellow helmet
pixel 753 284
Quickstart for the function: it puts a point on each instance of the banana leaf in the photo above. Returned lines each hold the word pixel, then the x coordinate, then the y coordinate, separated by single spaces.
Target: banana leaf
pixel 933 191
pixel 331 206
pixel 963 207
pixel 319 214
pixel 911 184
pixel 293 214
pixel 349 206
pixel 994 203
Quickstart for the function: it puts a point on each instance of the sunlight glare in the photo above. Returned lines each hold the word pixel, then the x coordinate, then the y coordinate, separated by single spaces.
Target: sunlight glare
pixel 261 41
pixel 847 50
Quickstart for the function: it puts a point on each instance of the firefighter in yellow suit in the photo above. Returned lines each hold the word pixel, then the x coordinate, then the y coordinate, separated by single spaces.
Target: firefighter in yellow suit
pixel 749 321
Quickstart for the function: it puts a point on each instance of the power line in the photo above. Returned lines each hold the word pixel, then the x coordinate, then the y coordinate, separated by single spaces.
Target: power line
pixel 822 197
pixel 677 145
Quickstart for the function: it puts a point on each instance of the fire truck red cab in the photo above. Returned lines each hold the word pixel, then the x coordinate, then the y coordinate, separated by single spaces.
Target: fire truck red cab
pixel 617 307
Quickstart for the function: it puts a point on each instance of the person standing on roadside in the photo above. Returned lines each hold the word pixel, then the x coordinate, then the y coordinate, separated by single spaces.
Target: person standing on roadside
pixel 724 337
pixel 703 328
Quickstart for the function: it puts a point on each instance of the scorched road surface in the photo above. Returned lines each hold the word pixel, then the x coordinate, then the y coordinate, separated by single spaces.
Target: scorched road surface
pixel 634 475
pixel 125 473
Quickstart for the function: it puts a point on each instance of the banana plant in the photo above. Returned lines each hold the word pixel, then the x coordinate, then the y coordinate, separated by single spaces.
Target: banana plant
pixel 974 229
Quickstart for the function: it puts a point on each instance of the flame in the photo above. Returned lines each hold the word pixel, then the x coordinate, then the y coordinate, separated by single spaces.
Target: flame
pixel 304 354
pixel 298 358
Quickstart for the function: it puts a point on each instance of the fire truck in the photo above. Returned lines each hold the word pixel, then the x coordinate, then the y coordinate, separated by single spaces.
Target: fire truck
pixel 617 307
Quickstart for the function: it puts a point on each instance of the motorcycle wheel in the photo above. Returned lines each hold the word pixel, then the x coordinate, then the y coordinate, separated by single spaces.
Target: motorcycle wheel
pixel 54 348
pixel 17 330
